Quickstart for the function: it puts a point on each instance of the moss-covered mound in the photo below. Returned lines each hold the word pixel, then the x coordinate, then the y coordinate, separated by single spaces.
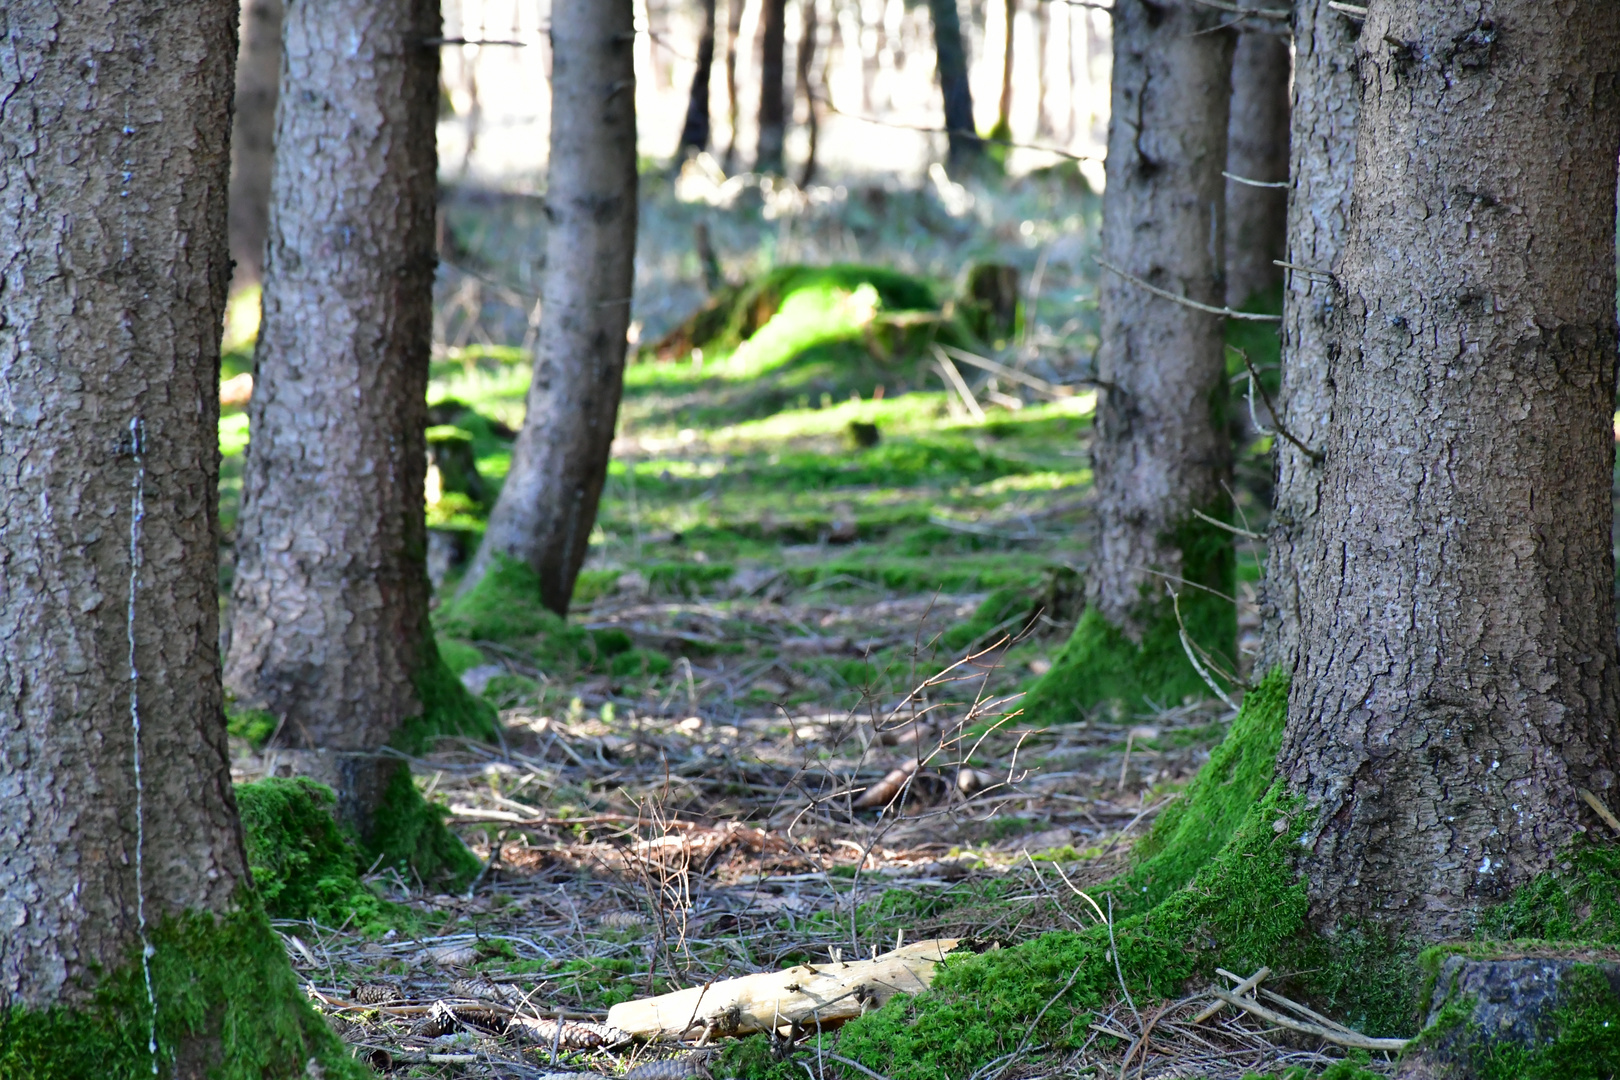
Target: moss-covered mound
pixel 1101 663
pixel 447 707
pixel 409 834
pixel 226 1000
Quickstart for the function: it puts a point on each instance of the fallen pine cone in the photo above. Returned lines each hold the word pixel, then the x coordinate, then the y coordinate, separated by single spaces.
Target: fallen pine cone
pixel 377 993
pixel 683 1068
pixel 882 792
pixel 440 1020
pixel 488 991
pixel 575 1034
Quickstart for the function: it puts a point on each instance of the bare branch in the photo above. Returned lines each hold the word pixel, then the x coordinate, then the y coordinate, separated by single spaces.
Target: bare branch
pixel 1341 1038
pixel 1229 313
pixel 1236 179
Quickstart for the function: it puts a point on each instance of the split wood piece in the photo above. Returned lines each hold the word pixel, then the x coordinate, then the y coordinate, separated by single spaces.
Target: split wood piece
pixel 1598 808
pixel 805 996
pixel 1340 1038
pixel 1244 986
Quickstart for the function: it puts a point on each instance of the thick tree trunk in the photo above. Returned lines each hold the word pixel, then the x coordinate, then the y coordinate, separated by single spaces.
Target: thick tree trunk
pixel 548 504
pixel 1161 451
pixel 1257 149
pixel 117 821
pixel 330 602
pixel 1322 149
pixel 965 148
pixel 695 135
pixel 772 75
pixel 1458 679
pixel 734 16
pixel 253 136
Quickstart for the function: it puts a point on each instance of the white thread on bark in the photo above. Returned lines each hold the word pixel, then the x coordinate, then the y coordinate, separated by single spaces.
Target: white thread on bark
pixel 137 437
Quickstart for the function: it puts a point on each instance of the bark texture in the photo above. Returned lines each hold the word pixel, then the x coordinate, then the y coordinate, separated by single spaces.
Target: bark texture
pixel 695 135
pixel 804 67
pixel 1457 683
pixel 1009 11
pixel 772 75
pixel 1257 149
pixel 253 136
pixel 951 58
pixel 330 602
pixel 734 14
pixel 113 269
pixel 559 463
pixel 1322 150
pixel 1161 449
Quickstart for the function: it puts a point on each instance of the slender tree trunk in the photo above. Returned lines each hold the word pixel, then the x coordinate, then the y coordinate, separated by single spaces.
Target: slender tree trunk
pixel 548 504
pixel 1257 149
pixel 1322 146
pixel 330 602
pixel 1043 38
pixel 695 135
pixel 1161 451
pixel 805 66
pixel 965 148
pixel 772 74
pixel 1004 109
pixel 1457 686
pixel 253 136
pixel 734 16
pixel 118 828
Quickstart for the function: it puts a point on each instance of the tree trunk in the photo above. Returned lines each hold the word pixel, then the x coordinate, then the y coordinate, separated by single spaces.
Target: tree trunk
pixel 1257 149
pixel 1043 38
pixel 805 66
pixel 1004 110
pixel 1322 146
pixel 1161 451
pixel 118 829
pixel 772 74
pixel 734 15
pixel 253 136
pixel 330 624
pixel 548 504
pixel 1457 684
pixel 695 135
pixel 965 148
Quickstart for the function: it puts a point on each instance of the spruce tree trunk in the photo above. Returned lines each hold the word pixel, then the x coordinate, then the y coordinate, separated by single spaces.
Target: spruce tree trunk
pixel 1322 149
pixel 548 504
pixel 695 135
pixel 118 828
pixel 804 67
pixel 253 136
pixel 734 15
pixel 330 624
pixel 772 74
pixel 1004 106
pixel 965 148
pixel 1161 450
pixel 1257 149
pixel 1457 683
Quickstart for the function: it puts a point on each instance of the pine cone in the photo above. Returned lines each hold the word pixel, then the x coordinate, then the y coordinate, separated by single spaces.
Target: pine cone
pixel 576 1034
pixel 683 1068
pixel 440 1020
pixel 486 991
pixel 377 993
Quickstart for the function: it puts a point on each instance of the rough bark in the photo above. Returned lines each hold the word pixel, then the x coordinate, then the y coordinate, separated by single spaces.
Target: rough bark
pixel 253 136
pixel 1457 683
pixel 1257 149
pixel 1161 449
pixel 734 15
pixel 965 147
pixel 772 75
pixel 1322 149
pixel 114 260
pixel 548 504
pixel 330 602
pixel 695 135
pixel 1009 10
pixel 804 66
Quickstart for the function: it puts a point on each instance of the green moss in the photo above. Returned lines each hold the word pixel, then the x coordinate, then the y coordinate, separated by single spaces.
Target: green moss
pixel 1100 663
pixel 447 707
pixel 459 656
pixel 222 980
pixel 302 863
pixel 1000 611
pixel 254 725
pixel 1193 829
pixel 1577 900
pixel 409 833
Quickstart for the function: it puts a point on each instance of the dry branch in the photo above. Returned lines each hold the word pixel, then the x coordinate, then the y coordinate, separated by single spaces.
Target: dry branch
pixel 805 996
pixel 1341 1038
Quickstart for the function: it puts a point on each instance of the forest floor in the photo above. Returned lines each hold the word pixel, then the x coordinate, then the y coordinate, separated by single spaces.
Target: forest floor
pixel 782 722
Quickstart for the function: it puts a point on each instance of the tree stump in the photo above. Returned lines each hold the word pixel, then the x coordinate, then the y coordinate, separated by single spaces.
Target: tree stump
pixel 1526 1010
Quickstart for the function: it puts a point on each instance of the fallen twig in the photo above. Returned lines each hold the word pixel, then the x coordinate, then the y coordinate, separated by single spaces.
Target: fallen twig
pixel 1244 986
pixel 1340 1038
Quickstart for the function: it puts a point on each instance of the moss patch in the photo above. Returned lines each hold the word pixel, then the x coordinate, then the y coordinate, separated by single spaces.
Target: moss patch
pixel 447 707
pixel 223 980
pixel 1577 900
pixel 302 863
pixel 1192 830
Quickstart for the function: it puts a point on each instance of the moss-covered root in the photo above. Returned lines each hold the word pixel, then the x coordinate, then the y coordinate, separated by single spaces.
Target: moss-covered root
pixel 1192 830
pixel 227 1006
pixel 448 708
pixel 303 865
pixel 409 833
pixel 1101 663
